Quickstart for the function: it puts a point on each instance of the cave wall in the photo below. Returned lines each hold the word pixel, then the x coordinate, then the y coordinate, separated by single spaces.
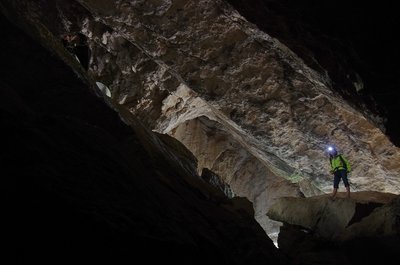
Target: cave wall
pixel 353 43
pixel 241 101
pixel 81 186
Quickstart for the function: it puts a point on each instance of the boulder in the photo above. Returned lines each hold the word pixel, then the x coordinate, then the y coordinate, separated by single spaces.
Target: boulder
pixel 320 230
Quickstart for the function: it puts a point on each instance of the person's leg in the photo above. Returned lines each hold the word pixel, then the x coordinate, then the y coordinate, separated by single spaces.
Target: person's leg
pixel 348 191
pixel 336 180
pixel 346 183
pixel 334 193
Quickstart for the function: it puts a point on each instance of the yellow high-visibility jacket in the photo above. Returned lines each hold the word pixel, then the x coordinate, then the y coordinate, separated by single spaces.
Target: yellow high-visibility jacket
pixel 339 162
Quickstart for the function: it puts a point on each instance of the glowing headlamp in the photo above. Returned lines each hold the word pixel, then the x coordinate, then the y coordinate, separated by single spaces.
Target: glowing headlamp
pixel 331 149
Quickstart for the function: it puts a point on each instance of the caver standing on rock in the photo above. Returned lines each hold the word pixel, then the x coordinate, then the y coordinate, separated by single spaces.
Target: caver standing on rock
pixel 340 167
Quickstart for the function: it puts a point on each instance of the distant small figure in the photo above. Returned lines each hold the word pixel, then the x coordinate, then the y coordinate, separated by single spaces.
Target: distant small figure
pixel 340 167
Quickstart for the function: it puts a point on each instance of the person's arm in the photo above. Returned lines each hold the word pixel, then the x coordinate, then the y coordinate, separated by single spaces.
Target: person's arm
pixel 347 164
pixel 331 164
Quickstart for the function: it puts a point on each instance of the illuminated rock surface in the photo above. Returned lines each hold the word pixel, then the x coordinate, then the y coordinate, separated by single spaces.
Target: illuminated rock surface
pixel 317 230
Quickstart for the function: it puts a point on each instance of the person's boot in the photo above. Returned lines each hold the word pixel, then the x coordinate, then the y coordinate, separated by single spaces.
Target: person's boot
pixel 333 194
pixel 348 192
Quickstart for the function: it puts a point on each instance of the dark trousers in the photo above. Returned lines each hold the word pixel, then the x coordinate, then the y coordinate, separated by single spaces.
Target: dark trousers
pixel 340 174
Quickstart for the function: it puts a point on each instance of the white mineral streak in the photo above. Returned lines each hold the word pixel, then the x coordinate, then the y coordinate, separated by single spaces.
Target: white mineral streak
pixel 246 106
pixel 104 89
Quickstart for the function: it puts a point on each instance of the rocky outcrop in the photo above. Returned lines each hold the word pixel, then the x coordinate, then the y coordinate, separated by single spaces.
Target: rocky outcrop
pixel 246 106
pixel 365 214
pixel 323 34
pixel 80 186
pixel 318 228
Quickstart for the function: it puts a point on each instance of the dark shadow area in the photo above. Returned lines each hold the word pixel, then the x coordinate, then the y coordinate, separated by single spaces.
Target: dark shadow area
pixel 76 44
pixel 79 187
pixel 302 247
pixel 363 210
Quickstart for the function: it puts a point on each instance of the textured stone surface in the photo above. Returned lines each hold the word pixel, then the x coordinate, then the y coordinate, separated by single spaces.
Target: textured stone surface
pixel 345 47
pixel 245 105
pixel 362 230
pixel 82 187
pixel 365 214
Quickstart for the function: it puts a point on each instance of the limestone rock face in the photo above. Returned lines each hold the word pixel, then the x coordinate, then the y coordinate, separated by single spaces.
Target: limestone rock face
pixel 244 104
pixel 360 230
pixel 80 186
pixel 365 214
pixel 327 42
